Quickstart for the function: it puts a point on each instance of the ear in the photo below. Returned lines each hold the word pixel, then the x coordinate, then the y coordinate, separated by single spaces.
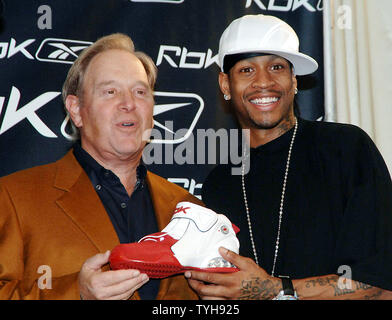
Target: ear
pixel 224 83
pixel 295 83
pixel 72 104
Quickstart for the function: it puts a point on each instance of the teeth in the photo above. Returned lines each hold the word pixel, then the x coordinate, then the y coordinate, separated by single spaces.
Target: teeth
pixel 129 124
pixel 266 100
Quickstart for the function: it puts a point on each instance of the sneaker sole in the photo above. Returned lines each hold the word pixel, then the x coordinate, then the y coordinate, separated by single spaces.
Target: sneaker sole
pixel 165 270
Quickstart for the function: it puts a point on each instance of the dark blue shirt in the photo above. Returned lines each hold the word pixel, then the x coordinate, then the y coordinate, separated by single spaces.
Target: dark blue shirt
pixel 133 216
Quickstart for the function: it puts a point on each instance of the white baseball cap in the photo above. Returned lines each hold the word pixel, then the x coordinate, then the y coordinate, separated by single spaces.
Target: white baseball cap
pixel 265 35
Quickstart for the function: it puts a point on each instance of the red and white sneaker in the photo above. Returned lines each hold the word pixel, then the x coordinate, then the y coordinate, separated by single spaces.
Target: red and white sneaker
pixel 189 242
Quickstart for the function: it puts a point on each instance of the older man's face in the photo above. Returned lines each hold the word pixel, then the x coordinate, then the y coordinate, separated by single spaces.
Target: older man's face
pixel 117 106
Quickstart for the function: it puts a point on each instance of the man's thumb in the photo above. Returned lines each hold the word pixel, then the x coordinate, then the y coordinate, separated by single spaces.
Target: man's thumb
pixel 97 261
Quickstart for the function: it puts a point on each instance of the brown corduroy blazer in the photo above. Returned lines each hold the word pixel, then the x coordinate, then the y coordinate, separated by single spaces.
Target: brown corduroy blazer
pixel 52 220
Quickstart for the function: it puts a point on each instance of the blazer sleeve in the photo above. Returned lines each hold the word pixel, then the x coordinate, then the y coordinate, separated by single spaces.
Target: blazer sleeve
pixel 13 250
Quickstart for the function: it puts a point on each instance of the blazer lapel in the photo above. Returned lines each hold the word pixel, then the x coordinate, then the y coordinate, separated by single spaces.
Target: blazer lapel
pixel 83 206
pixel 163 200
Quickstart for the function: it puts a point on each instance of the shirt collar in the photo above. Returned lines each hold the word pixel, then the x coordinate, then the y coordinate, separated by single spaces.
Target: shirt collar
pixel 91 166
pixel 279 144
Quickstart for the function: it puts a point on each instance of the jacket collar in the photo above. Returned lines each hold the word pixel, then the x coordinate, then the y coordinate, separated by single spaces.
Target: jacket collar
pixel 81 203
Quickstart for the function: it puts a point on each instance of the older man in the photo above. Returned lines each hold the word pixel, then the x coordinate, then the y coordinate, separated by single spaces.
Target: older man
pixel 317 201
pixel 59 221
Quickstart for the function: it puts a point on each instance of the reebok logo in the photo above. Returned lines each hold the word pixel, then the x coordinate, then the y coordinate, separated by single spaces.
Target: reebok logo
pixel 7 50
pixel 181 209
pixel 286 5
pixel 189 184
pixel 50 49
pixel 186 59
pixel 60 50
pixel 15 114
pixel 175 105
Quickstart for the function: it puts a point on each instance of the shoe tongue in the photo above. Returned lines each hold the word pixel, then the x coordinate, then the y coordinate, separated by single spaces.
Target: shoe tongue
pixel 176 228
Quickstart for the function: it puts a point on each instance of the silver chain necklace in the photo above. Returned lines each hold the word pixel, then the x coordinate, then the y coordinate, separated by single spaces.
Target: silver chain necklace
pixel 281 202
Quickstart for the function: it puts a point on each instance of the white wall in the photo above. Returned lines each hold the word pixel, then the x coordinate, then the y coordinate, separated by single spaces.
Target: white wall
pixel 359 67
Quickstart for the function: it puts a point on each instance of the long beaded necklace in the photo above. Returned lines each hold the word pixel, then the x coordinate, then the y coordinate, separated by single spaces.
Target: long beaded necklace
pixel 281 203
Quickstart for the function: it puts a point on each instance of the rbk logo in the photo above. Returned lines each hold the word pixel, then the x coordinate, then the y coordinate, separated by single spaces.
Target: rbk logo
pixel 14 115
pixel 188 59
pixel 60 50
pixel 290 5
pixel 7 50
pixel 189 184
pixel 181 209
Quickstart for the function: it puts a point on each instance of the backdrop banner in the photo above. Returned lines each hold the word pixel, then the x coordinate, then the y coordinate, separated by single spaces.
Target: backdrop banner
pixel 39 40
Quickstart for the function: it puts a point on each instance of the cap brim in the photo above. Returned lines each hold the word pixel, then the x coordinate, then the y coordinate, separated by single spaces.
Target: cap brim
pixel 303 64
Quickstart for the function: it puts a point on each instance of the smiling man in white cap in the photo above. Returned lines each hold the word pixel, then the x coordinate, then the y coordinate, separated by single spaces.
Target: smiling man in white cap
pixel 315 208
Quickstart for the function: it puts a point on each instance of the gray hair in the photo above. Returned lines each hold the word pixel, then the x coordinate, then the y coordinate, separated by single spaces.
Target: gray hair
pixel 73 84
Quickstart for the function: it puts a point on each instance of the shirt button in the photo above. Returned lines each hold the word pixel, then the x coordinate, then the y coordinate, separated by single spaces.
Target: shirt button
pixel 98 187
pixel 123 205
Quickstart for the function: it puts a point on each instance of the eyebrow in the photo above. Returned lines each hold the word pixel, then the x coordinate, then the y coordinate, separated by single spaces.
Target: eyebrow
pixel 105 83
pixel 111 82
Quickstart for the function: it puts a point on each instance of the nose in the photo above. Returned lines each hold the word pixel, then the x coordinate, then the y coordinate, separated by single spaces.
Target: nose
pixel 263 79
pixel 127 102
